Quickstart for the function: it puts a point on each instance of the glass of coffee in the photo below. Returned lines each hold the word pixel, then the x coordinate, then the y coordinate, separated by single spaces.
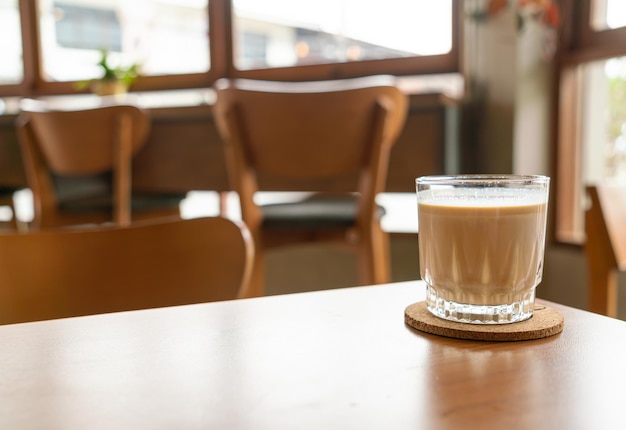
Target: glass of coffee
pixel 481 245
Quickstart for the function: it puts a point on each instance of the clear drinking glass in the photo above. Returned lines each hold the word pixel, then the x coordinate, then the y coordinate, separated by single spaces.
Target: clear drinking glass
pixel 481 245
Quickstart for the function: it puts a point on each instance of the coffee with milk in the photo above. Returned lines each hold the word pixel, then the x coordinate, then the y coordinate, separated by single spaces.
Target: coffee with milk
pixel 481 247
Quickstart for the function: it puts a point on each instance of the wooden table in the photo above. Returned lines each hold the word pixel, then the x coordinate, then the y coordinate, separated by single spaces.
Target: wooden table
pixel 339 359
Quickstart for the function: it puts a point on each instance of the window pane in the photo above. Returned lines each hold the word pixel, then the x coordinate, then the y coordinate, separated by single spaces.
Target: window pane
pixel 592 148
pixel 608 14
pixel 163 36
pixel 604 122
pixel 11 71
pixel 283 33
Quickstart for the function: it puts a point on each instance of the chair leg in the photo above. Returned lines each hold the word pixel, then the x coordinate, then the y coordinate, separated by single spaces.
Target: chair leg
pixel 223 203
pixel 374 259
pixel 257 278
pixel 602 292
pixel 383 260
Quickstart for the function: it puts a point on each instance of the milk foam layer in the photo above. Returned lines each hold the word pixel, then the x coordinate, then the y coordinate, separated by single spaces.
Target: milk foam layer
pixel 482 197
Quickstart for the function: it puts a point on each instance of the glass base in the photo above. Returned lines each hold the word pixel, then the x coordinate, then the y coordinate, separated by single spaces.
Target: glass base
pixel 517 311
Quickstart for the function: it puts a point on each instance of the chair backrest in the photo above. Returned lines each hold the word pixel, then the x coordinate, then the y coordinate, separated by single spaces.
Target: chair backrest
pixel 312 133
pixel 76 143
pixel 605 245
pixel 70 272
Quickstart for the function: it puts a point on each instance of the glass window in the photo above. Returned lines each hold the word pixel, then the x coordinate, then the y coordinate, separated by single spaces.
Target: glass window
pixel 591 144
pixel 608 14
pixel 593 141
pixel 284 33
pixel 11 69
pixel 164 37
pixel 604 125
pixel 81 27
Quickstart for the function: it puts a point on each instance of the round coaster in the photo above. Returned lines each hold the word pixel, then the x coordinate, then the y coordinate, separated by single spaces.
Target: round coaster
pixel 545 322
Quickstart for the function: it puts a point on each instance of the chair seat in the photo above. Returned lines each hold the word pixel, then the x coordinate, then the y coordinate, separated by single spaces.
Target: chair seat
pixel 317 211
pixel 6 192
pixel 139 202
pixel 91 193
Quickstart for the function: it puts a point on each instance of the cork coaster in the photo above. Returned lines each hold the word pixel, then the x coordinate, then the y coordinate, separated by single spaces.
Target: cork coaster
pixel 545 322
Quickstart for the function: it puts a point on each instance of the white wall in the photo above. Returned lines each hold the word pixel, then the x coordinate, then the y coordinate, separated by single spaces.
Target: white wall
pixel 531 129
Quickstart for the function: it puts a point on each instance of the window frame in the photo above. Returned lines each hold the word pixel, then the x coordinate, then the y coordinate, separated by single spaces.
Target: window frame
pixel 222 60
pixel 580 44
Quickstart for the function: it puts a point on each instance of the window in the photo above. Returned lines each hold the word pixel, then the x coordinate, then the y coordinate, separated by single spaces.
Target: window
pixel 604 136
pixel 607 14
pixel 11 71
pixel 325 39
pixel 163 37
pixel 80 27
pixel 191 43
pixel 336 31
pixel 592 111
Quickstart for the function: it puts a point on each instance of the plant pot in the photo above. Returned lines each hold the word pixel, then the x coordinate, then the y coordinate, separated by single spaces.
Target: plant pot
pixel 108 87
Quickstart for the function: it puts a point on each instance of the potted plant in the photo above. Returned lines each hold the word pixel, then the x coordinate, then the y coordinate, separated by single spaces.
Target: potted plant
pixel 114 80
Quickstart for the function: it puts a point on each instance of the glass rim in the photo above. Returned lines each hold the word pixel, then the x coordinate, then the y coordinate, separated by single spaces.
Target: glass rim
pixel 468 179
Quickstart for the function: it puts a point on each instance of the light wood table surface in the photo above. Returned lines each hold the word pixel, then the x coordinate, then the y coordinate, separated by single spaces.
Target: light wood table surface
pixel 335 359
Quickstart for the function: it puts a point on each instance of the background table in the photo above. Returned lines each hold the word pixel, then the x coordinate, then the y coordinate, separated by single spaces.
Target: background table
pixel 333 359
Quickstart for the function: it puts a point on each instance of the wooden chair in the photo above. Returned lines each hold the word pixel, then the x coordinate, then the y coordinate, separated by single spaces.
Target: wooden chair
pixel 605 246
pixel 322 137
pixel 68 272
pixel 78 165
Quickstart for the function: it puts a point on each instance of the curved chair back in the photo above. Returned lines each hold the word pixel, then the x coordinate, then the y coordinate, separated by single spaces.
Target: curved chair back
pixel 71 272
pixel 295 131
pixel 83 141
